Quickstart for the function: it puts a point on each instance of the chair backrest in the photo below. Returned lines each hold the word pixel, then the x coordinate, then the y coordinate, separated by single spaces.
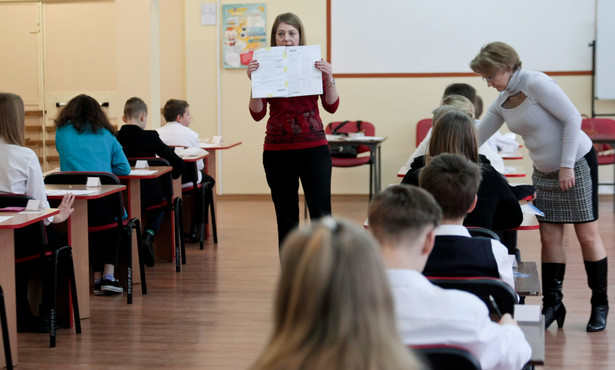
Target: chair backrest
pixel 350 127
pixel 600 126
pixel 422 128
pixel 446 357
pixel 155 189
pixel 100 211
pixel 481 231
pixel 503 294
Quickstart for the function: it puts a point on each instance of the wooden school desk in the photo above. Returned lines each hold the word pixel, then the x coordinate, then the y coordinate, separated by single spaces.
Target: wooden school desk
pixel 133 198
pixel 373 143
pixel 78 233
pixel 210 165
pixel 16 220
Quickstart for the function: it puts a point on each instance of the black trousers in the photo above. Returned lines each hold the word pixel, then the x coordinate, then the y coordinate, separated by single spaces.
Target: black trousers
pixel 284 169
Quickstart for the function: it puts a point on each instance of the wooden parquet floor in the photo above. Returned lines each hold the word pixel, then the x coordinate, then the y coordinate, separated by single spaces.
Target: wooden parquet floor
pixel 216 313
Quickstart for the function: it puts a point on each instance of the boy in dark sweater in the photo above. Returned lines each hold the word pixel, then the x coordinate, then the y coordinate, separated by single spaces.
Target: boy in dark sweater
pixel 138 143
pixel 453 181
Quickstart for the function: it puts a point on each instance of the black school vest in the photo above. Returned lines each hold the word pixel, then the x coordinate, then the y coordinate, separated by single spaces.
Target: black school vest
pixel 461 256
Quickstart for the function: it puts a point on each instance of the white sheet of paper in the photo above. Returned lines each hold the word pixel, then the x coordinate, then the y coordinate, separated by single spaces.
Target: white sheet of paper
pixel 142 163
pixel 33 205
pixel 286 71
pixel 142 172
pixel 527 312
pixel 93 182
pixel 4 218
pixel 75 192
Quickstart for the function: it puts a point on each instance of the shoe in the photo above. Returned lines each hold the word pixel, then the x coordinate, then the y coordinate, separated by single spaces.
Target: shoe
pixel 111 287
pixel 147 249
pixel 597 281
pixel 97 289
pixel 552 281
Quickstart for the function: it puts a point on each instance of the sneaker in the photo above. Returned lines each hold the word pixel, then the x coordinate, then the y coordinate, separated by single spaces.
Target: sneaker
pixel 97 289
pixel 147 250
pixel 111 286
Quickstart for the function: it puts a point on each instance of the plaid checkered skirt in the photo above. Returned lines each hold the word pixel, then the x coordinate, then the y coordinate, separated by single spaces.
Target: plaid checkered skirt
pixel 575 205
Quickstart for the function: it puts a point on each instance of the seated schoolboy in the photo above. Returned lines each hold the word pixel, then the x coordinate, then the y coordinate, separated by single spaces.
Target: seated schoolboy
pixel 453 181
pixel 403 219
pixel 138 142
pixel 177 131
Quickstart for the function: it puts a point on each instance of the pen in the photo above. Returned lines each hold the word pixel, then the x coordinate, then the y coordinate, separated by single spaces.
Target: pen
pixel 494 307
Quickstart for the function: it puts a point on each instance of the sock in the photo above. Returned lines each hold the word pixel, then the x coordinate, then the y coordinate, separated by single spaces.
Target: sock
pixel 109 277
pixel 97 281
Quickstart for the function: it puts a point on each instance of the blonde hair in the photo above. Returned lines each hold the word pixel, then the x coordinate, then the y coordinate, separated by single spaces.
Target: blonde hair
pixel 333 307
pixel 12 115
pixel 494 56
pixel 460 102
pixel 454 132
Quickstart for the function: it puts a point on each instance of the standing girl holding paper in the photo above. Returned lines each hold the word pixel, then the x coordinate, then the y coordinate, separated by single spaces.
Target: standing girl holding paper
pixel 295 143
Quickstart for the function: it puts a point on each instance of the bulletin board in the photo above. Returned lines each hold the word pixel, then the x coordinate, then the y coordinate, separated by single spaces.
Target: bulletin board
pixel 243 31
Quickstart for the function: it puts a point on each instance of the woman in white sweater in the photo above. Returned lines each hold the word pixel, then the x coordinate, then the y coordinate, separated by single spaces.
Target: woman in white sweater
pixel 565 171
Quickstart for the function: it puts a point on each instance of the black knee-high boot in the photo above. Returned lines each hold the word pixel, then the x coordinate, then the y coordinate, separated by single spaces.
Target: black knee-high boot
pixel 552 306
pixel 597 281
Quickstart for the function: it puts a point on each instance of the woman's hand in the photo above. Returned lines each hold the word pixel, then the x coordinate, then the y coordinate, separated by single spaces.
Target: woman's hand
pixel 566 178
pixel 324 66
pixel 65 208
pixel 252 66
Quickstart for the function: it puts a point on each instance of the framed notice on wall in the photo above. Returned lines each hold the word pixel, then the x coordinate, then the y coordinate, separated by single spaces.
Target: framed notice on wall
pixel 243 31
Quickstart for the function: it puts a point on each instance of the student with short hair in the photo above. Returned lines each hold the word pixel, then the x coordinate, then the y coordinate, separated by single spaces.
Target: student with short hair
pixel 453 180
pixel 138 142
pixel 177 132
pixel 404 219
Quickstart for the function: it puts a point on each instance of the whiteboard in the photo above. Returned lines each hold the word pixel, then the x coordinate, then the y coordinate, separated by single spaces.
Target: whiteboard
pixel 443 36
pixel 604 82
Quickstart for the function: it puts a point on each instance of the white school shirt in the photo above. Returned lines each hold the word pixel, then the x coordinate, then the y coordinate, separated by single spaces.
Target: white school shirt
pixel 20 173
pixel 428 314
pixel 176 134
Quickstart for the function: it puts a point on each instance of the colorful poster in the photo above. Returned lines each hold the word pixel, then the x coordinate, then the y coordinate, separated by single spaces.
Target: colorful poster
pixel 243 31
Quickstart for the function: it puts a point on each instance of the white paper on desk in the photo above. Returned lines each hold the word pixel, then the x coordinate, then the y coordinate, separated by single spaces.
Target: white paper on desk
pixel 527 312
pixel 142 172
pixel 4 218
pixel 33 205
pixel 285 71
pixel 190 152
pixel 66 191
pixel 141 163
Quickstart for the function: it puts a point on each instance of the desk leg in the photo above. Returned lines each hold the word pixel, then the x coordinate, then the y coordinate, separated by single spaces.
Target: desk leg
pixel 134 198
pixel 7 280
pixel 211 171
pixel 78 240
